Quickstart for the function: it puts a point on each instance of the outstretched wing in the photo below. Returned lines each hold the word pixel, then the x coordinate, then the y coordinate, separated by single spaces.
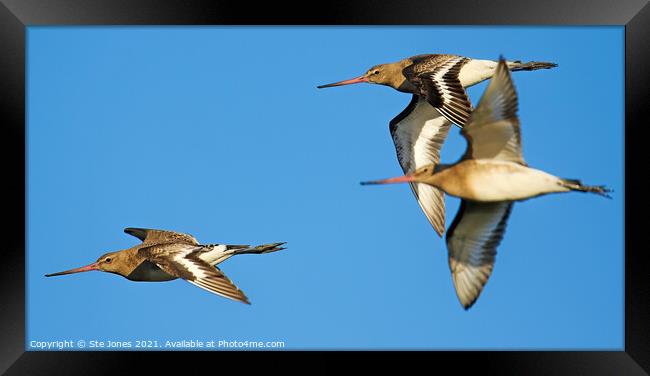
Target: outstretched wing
pixel 183 261
pixel 443 90
pixel 418 133
pixel 148 235
pixel 472 242
pixel 493 130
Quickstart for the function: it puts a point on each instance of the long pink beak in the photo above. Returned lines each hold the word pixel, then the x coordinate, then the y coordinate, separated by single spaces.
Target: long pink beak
pixel 400 179
pixel 346 82
pixel 87 268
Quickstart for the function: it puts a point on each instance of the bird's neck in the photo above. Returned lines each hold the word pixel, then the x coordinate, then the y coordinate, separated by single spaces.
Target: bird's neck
pixel 130 260
pixel 397 80
pixel 437 177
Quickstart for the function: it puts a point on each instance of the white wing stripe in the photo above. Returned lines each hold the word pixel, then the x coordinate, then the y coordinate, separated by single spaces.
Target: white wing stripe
pixel 183 260
pixel 443 89
pixel 190 266
pixel 418 133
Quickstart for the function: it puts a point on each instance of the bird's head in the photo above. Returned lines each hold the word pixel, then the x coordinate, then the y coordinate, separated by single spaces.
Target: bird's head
pixel 382 74
pixel 111 262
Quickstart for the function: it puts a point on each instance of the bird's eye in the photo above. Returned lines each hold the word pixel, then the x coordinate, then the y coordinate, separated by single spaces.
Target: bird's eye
pixel 108 259
pixel 375 72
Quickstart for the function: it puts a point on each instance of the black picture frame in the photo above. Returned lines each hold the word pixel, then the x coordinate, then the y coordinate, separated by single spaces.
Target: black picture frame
pixel 17 15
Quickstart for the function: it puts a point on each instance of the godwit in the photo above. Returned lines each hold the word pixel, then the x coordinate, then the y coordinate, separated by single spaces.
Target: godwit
pixel 489 178
pixel 438 84
pixel 167 255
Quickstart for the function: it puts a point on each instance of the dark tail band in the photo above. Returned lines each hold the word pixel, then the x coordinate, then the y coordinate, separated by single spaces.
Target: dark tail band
pixel 576 185
pixel 532 65
pixel 260 249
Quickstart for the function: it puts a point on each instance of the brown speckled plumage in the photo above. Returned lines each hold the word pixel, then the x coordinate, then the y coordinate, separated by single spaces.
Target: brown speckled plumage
pixel 167 255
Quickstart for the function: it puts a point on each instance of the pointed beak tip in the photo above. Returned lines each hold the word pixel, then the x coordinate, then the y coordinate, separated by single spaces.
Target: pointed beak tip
pixel 86 268
pixel 345 82
pixel 53 274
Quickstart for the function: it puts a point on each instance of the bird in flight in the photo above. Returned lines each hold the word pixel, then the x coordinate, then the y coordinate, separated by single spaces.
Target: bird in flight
pixel 168 255
pixel 437 83
pixel 488 179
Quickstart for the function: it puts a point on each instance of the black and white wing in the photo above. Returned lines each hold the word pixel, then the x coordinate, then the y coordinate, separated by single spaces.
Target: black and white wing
pixel 418 133
pixel 472 242
pixel 443 90
pixel 493 130
pixel 184 261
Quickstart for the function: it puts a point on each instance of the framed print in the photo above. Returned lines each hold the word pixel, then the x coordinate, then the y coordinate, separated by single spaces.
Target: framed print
pixel 220 124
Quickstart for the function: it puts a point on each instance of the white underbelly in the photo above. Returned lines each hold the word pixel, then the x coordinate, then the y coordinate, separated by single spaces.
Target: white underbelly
pixel 511 183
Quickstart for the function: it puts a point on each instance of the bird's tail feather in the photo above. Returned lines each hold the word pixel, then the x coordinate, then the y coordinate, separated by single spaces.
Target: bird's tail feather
pixel 260 249
pixel 531 65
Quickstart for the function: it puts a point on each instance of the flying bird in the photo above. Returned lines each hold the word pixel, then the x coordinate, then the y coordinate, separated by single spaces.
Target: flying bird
pixel 437 82
pixel 489 178
pixel 167 255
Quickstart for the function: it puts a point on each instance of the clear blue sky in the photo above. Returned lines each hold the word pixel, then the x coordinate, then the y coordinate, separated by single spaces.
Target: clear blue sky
pixel 220 132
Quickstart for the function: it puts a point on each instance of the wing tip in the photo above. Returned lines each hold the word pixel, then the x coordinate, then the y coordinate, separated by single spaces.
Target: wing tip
pixel 130 230
pixel 278 246
pixel 467 301
pixel 242 297
pixel 438 224
pixel 467 291
pixel 503 64
pixel 468 304
pixel 138 232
